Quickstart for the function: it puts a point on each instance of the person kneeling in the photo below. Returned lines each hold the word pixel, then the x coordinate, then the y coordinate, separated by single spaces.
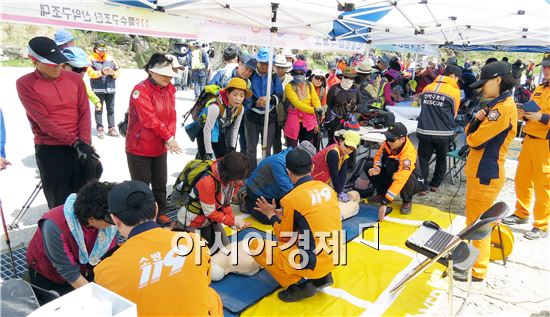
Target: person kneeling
pixel 165 273
pixel 309 213
pixel 394 170
pixel 70 240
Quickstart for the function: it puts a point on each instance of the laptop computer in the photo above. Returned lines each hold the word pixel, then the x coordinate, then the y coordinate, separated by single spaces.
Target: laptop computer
pixel 431 239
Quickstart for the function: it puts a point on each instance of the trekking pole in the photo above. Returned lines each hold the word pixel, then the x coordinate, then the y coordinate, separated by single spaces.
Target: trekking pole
pixel 8 243
pixel 26 206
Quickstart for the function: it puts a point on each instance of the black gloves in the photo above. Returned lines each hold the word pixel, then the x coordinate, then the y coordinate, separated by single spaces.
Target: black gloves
pixel 84 150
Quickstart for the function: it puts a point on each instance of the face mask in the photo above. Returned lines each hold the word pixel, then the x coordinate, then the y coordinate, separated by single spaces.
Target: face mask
pixel 299 78
pixel 346 83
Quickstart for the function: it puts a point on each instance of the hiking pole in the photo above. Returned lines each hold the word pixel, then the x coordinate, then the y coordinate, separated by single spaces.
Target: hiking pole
pixel 8 240
pixel 26 206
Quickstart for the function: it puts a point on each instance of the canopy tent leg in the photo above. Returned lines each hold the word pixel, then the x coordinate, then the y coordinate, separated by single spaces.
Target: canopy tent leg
pixel 273 30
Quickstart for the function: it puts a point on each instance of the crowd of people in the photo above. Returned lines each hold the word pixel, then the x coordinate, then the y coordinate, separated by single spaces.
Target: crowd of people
pixel 300 189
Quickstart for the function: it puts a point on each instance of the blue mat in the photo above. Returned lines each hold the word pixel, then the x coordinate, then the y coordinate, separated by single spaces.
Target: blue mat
pixel 239 292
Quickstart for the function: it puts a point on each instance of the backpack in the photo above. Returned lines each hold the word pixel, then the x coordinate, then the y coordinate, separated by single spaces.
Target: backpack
pixel 187 179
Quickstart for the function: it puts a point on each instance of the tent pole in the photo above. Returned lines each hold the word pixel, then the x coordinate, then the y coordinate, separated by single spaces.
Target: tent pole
pixel 273 30
pixel 415 62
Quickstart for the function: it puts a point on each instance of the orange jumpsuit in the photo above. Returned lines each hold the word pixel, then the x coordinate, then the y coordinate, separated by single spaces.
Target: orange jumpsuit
pixel 485 167
pixel 533 171
pixel 311 210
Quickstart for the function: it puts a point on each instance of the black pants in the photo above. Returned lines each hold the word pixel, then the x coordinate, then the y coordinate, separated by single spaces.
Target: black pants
pixel 43 282
pixel 383 181
pixel 277 142
pixel 426 147
pixel 61 172
pixel 150 170
pixel 332 127
pixel 108 100
pixel 220 148
pixel 254 131
pixel 303 135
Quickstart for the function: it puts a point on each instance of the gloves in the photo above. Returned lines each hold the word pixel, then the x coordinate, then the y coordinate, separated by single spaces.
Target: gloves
pixel 344 197
pixel 84 150
pixel 207 156
pixel 319 110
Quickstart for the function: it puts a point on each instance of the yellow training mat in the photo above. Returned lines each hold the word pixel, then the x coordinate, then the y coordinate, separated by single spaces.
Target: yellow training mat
pixel 361 287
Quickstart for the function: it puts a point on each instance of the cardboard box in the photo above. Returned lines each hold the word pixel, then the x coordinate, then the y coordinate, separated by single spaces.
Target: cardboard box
pixel 88 300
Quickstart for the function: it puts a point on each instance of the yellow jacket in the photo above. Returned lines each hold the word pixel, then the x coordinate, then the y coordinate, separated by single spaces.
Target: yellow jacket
pixel 540 129
pixel 308 104
pixel 489 143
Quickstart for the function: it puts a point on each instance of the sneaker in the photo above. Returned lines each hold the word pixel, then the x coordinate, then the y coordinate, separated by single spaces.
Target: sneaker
pixel 463 277
pixel 297 292
pixel 376 199
pixel 112 132
pixel 325 281
pixel 514 220
pixel 406 208
pixel 536 233
pixel 164 220
pixel 100 133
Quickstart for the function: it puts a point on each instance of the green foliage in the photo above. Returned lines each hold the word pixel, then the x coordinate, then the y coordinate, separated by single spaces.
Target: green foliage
pixel 17 62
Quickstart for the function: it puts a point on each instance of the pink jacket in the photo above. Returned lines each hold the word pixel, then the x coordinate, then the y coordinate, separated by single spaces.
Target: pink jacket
pixel 300 110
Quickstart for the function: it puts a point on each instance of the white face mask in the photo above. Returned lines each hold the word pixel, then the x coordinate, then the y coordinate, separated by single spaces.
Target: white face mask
pixel 346 83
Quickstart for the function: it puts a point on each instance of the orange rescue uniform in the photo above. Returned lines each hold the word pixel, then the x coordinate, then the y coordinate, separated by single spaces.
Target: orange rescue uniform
pixel 148 270
pixel 311 211
pixel 485 167
pixel 533 171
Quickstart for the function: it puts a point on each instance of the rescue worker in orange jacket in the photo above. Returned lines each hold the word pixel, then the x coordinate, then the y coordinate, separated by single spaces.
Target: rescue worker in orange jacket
pixel 306 225
pixel 488 137
pixel 395 170
pixel 436 124
pixel 533 171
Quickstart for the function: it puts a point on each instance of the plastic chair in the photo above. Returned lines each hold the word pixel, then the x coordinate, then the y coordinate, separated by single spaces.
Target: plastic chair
pixel 456 160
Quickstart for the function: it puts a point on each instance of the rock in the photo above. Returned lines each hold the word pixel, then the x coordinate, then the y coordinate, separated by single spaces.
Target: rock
pixel 13 51
pixel 125 39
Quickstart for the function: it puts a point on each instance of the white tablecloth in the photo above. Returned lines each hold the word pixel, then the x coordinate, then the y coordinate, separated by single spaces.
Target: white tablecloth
pixel 404 110
pixel 369 134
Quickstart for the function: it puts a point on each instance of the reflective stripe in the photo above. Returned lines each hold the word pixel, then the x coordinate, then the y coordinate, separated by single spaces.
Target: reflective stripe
pixel 389 193
pixel 435 132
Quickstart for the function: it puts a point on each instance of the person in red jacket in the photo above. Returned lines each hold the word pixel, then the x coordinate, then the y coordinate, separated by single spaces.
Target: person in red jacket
pixel 59 113
pixel 152 127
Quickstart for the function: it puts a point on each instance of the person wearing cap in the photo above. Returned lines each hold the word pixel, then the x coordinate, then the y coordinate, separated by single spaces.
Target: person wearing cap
pixel 330 165
pixel 468 77
pixel 395 171
pixel 439 102
pixel 151 129
pixel 165 273
pixel 382 63
pixel 231 62
pixel 533 171
pixel 363 81
pixel 319 80
pixel 310 208
pixel 289 56
pixel 426 77
pixel 103 73
pixel 60 122
pixel 281 69
pixel 254 122
pixel 199 67
pixel 63 39
pixel 78 63
pixel 332 78
pixel 270 180
pixel 209 204
pixel 488 137
pixel 302 104
pixel 342 101
pixel 71 239
pixel 222 117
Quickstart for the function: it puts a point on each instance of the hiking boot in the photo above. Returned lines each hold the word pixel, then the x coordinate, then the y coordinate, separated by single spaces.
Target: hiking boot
pixel 406 208
pixel 325 281
pixel 514 220
pixel 164 220
pixel 463 277
pixel 536 233
pixel 376 199
pixel 100 133
pixel 112 132
pixel 297 292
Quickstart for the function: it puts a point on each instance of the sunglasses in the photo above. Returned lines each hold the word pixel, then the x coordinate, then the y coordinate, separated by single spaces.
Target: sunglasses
pixel 319 77
pixel 299 73
pixel 79 70
pixel 393 139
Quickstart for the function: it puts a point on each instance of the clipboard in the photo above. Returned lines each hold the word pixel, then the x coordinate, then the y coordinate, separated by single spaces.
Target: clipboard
pixel 530 106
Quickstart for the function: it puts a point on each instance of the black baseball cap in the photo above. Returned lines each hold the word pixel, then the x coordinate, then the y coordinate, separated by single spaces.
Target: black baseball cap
pixel 298 162
pixel 249 61
pixel 129 195
pixel 546 59
pixel 453 69
pixel 490 71
pixel 396 130
pixel 230 52
pixel 46 51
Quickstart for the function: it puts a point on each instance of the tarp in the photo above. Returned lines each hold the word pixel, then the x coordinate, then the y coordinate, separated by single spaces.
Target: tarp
pixel 424 49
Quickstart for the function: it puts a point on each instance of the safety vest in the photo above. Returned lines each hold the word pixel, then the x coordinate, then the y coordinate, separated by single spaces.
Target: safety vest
pixel 380 100
pixel 320 165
